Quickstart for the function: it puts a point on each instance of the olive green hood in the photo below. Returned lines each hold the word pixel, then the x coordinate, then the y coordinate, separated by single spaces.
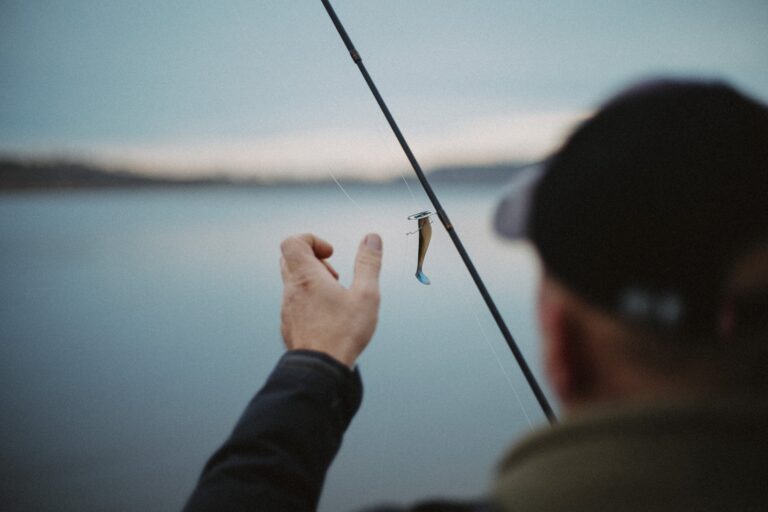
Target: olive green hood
pixel 698 455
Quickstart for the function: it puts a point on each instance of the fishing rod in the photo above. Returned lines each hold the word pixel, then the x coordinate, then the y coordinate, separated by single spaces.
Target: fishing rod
pixel 529 377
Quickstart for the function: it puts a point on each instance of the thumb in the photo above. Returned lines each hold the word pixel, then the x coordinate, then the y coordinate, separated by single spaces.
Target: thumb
pixel 368 264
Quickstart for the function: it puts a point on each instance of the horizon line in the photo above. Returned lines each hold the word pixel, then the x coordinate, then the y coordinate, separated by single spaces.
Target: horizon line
pixel 323 153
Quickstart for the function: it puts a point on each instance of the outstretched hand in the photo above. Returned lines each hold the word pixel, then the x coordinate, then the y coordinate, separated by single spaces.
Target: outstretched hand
pixel 318 313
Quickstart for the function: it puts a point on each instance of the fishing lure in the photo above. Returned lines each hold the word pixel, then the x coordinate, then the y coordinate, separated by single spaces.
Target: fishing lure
pixel 424 229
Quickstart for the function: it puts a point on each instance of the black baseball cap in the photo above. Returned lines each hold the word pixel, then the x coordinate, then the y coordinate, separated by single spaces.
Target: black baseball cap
pixel 649 204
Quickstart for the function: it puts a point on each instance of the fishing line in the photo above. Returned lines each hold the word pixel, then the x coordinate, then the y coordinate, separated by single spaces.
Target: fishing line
pixel 471 307
pixel 501 366
pixel 344 191
pixel 407 186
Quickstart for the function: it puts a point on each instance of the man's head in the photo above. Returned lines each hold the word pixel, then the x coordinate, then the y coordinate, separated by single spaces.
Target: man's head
pixel 652 226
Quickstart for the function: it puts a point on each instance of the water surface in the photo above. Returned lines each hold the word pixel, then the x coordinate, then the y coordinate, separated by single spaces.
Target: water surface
pixel 136 325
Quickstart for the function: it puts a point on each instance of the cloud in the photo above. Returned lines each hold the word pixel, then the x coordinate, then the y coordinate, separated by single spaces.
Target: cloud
pixel 346 153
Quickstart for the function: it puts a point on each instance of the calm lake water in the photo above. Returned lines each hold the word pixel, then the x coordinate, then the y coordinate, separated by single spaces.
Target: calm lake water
pixel 136 325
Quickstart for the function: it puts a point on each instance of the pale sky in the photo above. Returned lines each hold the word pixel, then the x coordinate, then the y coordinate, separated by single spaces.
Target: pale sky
pixel 267 88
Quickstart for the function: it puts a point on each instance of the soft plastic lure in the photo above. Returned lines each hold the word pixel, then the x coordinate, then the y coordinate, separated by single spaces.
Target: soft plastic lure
pixel 424 229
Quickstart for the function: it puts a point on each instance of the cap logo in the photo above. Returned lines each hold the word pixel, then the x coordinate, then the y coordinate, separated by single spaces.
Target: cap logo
pixel 640 305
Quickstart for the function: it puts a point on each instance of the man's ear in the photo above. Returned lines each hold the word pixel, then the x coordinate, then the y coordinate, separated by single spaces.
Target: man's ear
pixel 567 360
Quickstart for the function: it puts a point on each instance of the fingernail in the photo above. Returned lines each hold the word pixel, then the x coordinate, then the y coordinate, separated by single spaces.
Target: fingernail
pixel 373 241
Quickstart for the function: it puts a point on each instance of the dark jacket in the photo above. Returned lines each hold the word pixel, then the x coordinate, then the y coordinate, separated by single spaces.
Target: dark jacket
pixel 276 458
pixel 694 455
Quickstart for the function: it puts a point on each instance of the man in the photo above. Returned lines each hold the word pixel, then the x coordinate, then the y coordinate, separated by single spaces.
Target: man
pixel 651 223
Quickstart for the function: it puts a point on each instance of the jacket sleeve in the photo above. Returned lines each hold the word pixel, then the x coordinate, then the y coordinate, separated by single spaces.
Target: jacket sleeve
pixel 278 454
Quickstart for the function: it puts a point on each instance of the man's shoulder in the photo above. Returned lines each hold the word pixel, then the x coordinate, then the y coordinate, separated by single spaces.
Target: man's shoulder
pixel 671 456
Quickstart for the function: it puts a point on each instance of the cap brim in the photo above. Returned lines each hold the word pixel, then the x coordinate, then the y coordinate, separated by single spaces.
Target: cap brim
pixel 512 213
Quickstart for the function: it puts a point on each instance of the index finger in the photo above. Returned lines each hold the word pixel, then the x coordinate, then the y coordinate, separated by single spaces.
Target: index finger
pixel 304 249
pixel 320 247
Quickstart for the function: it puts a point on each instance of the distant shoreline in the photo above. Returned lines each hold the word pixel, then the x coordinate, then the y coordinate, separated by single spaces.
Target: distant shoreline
pixel 19 175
